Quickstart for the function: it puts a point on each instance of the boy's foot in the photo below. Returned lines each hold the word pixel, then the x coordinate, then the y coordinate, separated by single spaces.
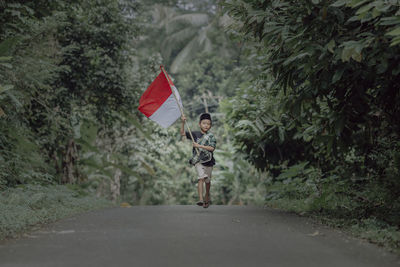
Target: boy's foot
pixel 199 203
pixel 206 204
pixel 207 199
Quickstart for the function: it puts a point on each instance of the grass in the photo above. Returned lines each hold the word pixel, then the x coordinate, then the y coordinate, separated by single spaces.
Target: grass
pixel 371 229
pixel 23 207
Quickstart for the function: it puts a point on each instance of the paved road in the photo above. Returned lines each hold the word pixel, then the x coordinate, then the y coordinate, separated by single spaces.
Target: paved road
pixel 190 236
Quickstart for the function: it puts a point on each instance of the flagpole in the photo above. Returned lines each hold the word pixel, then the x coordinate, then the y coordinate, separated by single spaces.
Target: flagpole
pixel 180 107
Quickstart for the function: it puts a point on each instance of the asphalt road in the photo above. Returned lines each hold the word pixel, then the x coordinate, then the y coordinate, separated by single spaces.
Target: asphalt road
pixel 190 236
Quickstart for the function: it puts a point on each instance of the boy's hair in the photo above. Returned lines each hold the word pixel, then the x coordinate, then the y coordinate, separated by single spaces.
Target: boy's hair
pixel 205 116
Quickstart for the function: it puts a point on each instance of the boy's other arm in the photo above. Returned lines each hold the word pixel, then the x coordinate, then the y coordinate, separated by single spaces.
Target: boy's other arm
pixel 209 148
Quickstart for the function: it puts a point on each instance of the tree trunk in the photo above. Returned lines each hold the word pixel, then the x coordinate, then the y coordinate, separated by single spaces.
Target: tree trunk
pixel 100 189
pixel 70 173
pixel 116 185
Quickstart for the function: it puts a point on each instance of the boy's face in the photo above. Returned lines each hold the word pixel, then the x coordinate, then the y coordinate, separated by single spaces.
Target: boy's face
pixel 205 125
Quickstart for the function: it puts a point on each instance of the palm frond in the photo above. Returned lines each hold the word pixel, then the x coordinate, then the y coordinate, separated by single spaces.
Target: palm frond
pixel 207 45
pixel 204 40
pixel 182 35
pixel 195 19
pixel 162 15
pixel 176 40
pixel 184 55
pixel 225 21
pixel 202 36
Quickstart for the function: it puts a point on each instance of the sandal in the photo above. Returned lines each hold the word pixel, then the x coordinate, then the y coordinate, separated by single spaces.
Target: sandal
pixel 199 203
pixel 206 204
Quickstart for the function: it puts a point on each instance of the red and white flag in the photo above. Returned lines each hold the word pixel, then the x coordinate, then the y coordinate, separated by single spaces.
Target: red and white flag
pixel 158 102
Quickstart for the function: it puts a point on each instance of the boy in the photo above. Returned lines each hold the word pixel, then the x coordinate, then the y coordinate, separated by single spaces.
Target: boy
pixel 205 142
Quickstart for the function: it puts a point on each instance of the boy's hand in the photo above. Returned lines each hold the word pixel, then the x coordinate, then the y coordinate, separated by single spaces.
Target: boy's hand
pixel 183 118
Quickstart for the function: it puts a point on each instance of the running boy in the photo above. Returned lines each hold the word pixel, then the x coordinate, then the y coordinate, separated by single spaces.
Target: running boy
pixel 203 161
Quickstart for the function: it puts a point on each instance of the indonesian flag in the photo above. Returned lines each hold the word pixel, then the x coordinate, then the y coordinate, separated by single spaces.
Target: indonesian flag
pixel 158 102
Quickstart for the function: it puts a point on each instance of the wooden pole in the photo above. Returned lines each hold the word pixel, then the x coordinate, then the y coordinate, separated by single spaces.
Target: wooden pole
pixel 179 105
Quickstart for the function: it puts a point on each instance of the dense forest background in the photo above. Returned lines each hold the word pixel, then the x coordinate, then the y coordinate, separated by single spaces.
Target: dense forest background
pixel 304 97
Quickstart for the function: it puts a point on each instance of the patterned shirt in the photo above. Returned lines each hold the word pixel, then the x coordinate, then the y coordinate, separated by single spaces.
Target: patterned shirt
pixel 211 141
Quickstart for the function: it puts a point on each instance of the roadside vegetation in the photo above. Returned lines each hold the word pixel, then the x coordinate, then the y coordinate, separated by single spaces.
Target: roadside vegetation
pixel 304 98
pixel 321 114
pixel 28 206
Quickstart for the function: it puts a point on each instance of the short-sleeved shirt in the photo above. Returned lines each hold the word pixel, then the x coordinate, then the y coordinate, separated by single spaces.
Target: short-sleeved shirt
pixel 212 142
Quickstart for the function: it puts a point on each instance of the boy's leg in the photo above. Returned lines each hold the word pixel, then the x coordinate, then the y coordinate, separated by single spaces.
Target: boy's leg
pixel 208 185
pixel 200 188
pixel 207 202
pixel 208 182
pixel 201 176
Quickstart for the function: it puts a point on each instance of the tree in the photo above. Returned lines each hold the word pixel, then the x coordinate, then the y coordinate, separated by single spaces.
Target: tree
pixel 188 32
pixel 324 51
pixel 327 91
pixel 57 58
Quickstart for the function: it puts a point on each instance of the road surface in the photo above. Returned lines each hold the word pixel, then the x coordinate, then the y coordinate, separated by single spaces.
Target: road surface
pixel 190 236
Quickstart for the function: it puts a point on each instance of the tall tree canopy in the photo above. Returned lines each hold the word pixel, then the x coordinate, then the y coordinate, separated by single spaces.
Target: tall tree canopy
pixel 322 113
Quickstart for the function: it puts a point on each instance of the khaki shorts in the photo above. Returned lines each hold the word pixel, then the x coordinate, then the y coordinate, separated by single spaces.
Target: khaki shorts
pixel 203 172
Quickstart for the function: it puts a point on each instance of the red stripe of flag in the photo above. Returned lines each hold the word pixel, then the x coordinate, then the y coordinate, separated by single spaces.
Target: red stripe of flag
pixel 155 95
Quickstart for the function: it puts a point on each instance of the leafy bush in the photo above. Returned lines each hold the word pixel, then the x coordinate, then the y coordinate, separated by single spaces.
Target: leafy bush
pixel 25 206
pixel 324 92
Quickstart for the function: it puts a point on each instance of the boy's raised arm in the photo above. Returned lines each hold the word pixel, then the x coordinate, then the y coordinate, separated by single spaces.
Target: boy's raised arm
pixel 183 118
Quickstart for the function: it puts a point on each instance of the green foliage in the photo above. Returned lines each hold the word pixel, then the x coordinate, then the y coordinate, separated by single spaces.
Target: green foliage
pixel 181 33
pixel 26 206
pixel 321 110
pixel 96 43
pixel 55 59
pixel 21 160
pixel 235 181
pixel 378 232
pixel 29 53
pixel 260 129
pixel 307 50
pixel 208 73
